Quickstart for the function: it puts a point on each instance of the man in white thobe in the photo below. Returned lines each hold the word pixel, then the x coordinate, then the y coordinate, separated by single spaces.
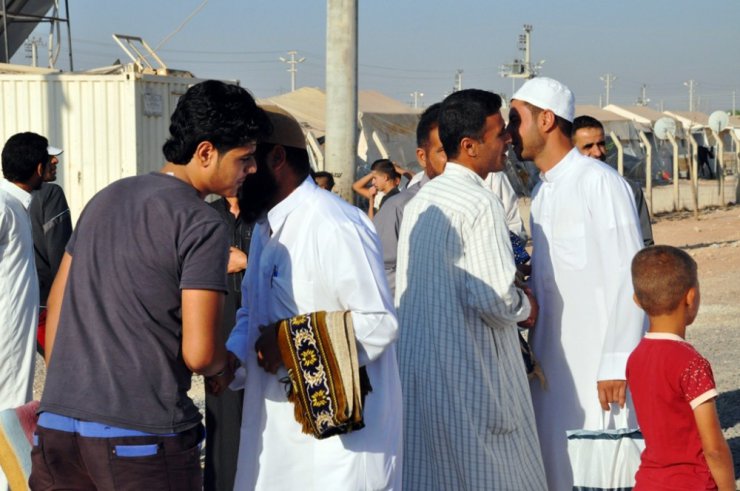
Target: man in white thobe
pixel 24 161
pixel 585 232
pixel 311 252
pixel 468 419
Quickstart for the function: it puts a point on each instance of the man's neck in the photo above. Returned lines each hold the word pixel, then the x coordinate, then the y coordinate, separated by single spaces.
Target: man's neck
pixel 24 186
pixel 183 173
pixel 554 151
pixel 471 164
pixel 285 189
pixel 233 205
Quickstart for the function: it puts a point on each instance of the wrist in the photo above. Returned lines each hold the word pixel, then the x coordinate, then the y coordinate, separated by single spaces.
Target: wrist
pixel 220 372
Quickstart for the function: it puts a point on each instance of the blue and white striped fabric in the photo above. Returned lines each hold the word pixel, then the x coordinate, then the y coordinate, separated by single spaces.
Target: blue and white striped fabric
pixel 468 418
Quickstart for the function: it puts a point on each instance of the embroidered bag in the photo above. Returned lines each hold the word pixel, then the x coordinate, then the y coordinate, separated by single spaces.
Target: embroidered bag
pixel 327 386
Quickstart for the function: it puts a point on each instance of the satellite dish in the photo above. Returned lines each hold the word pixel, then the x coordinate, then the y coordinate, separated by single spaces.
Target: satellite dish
pixel 663 127
pixel 718 121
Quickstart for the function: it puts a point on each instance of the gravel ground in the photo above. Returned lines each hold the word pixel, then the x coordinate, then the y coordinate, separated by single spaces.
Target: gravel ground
pixel 714 241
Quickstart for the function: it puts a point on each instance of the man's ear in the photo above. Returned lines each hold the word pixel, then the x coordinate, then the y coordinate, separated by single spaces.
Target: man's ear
pixel 40 169
pixel 205 152
pixel 277 157
pixel 469 146
pixel 421 155
pixel 546 120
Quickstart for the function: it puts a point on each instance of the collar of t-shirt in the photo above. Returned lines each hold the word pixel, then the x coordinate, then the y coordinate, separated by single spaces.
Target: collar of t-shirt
pixel 664 335
pixel 16 192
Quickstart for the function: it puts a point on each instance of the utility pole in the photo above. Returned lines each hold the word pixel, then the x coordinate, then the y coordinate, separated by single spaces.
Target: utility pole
pixel 608 79
pixel 522 68
pixel 32 47
pixel 416 95
pixel 458 80
pixel 691 84
pixel 643 100
pixel 292 62
pixel 341 94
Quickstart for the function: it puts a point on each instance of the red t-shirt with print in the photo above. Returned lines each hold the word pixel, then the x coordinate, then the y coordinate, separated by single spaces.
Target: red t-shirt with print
pixel 668 378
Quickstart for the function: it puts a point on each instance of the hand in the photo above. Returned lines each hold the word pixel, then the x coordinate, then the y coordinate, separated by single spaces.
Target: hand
pixel 373 191
pixel 268 354
pixel 216 384
pixel 612 391
pixel 534 310
pixel 402 172
pixel 237 260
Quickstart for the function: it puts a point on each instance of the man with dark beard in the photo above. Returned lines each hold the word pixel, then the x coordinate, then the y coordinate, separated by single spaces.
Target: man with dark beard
pixel 311 252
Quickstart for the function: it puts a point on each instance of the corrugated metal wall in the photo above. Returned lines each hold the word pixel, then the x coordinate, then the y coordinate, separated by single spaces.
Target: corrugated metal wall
pixel 110 126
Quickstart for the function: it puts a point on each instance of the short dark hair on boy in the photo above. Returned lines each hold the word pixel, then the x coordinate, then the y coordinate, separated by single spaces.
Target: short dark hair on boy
pixel 224 114
pixel 385 166
pixel 427 122
pixel 463 114
pixel 22 154
pixel 661 276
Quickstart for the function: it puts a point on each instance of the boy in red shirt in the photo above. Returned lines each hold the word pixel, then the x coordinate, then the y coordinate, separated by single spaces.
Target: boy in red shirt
pixel 672 385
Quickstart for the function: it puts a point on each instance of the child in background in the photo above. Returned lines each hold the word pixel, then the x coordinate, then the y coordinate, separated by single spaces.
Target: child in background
pixel 672 385
pixel 384 179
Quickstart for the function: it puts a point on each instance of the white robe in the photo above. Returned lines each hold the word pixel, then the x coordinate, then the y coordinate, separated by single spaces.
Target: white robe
pixel 585 232
pixel 19 300
pixel 499 183
pixel 323 254
pixel 468 419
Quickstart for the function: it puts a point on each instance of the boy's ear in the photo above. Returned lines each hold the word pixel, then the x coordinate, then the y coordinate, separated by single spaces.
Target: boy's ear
pixel 690 296
pixel 634 297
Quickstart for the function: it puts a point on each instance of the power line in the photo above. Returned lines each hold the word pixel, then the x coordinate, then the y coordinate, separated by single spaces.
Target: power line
pixel 183 24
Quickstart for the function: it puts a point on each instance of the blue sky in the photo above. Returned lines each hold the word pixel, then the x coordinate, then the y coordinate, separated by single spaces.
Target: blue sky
pixel 411 45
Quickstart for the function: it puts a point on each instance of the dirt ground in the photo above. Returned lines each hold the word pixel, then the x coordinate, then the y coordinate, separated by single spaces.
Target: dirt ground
pixel 713 240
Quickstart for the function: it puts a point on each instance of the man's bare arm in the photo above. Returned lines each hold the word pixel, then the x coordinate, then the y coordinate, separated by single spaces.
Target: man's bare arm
pixel 203 348
pixel 54 304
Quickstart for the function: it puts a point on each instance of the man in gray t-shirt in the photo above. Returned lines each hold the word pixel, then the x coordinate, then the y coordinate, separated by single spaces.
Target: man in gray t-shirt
pixel 136 306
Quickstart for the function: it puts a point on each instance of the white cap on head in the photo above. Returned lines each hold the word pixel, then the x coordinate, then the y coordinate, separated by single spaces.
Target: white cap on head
pixel 547 93
pixel 54 151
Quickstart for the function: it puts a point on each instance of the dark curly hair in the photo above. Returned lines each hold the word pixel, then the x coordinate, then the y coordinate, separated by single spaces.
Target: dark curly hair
pixel 225 115
pixel 22 154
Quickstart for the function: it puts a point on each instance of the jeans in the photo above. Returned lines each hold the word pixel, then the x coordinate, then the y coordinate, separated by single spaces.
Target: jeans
pixel 80 458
